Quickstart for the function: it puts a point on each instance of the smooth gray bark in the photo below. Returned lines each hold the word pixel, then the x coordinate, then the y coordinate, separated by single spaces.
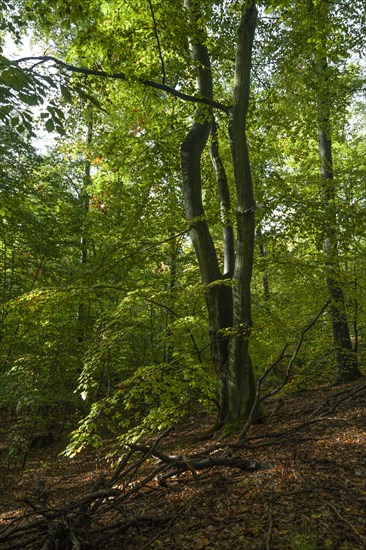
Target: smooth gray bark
pixel 225 202
pixel 218 295
pixel 265 281
pixel 241 380
pixel 228 306
pixel 84 201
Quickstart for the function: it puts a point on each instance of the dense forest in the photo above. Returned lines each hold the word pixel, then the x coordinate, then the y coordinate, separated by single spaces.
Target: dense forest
pixel 182 220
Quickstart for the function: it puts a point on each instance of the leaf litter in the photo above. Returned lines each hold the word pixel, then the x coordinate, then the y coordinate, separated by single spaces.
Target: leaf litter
pixel 296 482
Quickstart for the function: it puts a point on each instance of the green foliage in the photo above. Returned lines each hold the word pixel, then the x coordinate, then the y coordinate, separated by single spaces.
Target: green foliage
pixel 20 90
pixel 152 399
pixel 102 314
pixel 138 396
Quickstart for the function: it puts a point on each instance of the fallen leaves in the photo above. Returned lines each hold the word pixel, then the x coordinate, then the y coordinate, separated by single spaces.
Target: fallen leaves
pixel 312 494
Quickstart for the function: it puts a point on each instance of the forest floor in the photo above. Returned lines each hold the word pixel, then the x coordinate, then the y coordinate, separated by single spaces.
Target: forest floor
pixel 304 488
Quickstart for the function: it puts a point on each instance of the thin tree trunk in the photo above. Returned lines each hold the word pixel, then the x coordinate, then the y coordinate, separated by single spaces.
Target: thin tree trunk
pixel 346 359
pixel 173 254
pixel 265 281
pixel 355 308
pixel 84 200
pixel 225 202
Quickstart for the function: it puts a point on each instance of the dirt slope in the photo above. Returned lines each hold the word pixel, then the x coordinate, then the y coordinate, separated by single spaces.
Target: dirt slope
pixel 304 487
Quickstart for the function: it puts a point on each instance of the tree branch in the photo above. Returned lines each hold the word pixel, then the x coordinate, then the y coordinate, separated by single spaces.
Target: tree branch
pixel 158 43
pixel 341 517
pixel 121 76
pixel 258 398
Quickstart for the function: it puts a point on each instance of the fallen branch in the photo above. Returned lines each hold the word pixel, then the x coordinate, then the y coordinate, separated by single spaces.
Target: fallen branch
pixel 176 465
pixel 73 523
pixel 279 437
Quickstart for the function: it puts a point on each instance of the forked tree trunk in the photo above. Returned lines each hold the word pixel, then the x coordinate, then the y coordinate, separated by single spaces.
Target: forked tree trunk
pixel 225 203
pixel 228 306
pixel 218 295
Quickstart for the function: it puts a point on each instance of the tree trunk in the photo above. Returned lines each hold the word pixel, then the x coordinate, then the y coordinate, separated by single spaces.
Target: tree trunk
pixel 346 359
pixel 173 254
pixel 225 203
pixel 241 380
pixel 218 295
pixel 228 306
pixel 84 202
pixel 265 281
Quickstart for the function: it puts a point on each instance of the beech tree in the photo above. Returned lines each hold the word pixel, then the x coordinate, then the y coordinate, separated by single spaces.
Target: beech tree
pixel 228 294
pixel 180 94
pixel 346 359
pixel 228 305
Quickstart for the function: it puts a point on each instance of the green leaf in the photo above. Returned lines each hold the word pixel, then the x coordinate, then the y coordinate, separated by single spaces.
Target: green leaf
pixel 65 92
pixel 30 99
pixel 16 79
pixel 50 125
pixel 4 60
pixel 50 81
pixel 56 113
pixel 60 130
pixel 88 97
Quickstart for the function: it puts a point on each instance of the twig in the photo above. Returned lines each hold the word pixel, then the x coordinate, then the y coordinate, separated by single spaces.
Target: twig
pixel 75 519
pixel 352 390
pixel 170 522
pixel 296 352
pixel 145 481
pixel 346 394
pixel 179 464
pixel 194 473
pixel 281 436
pixel 270 525
pixel 260 399
pixel 148 451
pixel 337 512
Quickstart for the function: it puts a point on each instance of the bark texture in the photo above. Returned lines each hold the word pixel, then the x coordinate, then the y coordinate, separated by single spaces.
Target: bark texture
pixel 241 380
pixel 218 295
pixel 225 202
pixel 229 306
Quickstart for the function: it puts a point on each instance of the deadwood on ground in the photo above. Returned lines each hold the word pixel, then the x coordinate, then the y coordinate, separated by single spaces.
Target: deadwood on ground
pixel 143 497
pixel 103 513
